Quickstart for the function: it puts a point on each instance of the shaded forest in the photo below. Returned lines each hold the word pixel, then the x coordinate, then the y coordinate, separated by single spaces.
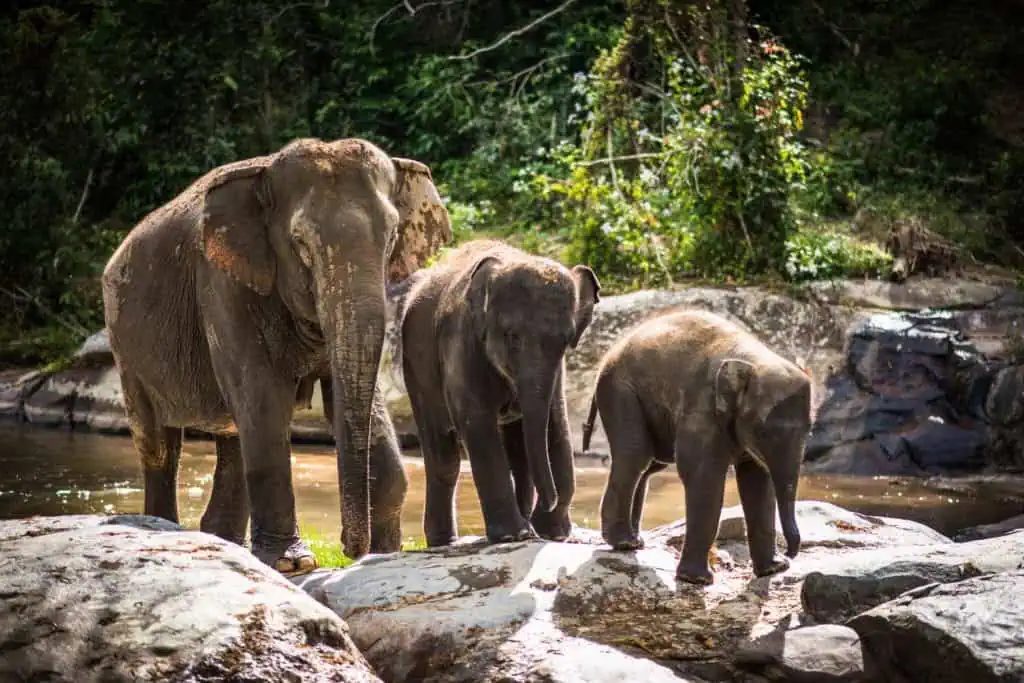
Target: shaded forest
pixel 660 141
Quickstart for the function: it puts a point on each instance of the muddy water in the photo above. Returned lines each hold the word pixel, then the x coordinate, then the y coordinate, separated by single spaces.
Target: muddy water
pixel 47 472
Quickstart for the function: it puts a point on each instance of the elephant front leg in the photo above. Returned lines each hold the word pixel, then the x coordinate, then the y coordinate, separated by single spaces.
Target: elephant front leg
pixel 227 512
pixel 515 451
pixel 388 482
pixel 556 525
pixel 493 479
pixel 263 428
pixel 702 459
pixel 757 498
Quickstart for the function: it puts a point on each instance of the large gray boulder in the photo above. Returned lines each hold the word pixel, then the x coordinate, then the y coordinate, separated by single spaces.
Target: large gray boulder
pixel 92 598
pixel 838 591
pixel 577 611
pixel 971 630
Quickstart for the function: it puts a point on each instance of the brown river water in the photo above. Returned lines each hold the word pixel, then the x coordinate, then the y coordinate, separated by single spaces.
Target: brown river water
pixel 52 472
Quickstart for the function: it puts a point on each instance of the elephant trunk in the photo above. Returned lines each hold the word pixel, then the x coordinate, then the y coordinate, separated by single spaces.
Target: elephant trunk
pixel 785 497
pixel 535 389
pixel 353 318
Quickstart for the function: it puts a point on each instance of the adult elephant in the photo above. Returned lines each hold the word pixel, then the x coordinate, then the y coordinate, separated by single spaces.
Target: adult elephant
pixel 261 274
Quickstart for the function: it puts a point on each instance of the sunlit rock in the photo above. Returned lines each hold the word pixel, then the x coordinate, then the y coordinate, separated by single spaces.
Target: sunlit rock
pixel 89 598
pixel 578 611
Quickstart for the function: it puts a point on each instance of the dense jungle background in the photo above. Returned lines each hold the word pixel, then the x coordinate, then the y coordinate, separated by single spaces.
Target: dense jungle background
pixel 660 141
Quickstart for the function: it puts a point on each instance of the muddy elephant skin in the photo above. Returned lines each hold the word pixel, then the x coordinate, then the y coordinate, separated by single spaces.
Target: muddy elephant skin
pixel 224 303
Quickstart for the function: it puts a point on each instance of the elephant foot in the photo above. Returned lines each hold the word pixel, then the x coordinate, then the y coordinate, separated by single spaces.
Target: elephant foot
pixel 553 526
pixel 441 540
pixel 386 537
pixel 291 558
pixel 695 573
pixel 624 540
pixel 778 565
pixel 223 531
pixel 509 533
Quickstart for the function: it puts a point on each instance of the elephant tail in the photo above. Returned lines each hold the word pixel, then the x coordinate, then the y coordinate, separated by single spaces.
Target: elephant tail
pixel 588 426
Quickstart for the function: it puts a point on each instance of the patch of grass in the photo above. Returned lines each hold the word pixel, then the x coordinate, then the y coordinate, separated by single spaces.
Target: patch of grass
pixel 328 552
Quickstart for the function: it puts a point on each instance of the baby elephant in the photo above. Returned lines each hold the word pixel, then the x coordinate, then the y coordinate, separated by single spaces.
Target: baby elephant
pixel 694 387
pixel 484 336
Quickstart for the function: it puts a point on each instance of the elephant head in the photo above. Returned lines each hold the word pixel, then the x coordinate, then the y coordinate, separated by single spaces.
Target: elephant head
pixel 767 408
pixel 301 190
pixel 527 313
pixel 321 225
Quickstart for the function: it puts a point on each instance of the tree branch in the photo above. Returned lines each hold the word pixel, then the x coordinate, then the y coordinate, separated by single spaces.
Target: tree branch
pixel 24 296
pixel 517 32
pixel 82 198
pixel 408 7
pixel 627 157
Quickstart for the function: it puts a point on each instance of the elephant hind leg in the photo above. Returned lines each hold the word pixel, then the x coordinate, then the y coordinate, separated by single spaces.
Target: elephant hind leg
pixel 515 450
pixel 159 450
pixel 227 512
pixel 632 453
pixel 640 495
pixel 757 496
pixel 703 455
pixel 161 474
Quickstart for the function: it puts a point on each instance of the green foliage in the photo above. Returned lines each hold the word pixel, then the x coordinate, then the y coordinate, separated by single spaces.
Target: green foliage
pixel 823 255
pixel 328 553
pixel 729 151
pixel 692 176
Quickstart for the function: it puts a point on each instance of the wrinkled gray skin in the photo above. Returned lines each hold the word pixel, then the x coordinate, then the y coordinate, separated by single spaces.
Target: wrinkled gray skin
pixel 695 388
pixel 226 303
pixel 484 336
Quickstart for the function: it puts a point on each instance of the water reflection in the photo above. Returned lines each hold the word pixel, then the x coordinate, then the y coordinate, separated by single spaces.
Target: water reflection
pixel 47 472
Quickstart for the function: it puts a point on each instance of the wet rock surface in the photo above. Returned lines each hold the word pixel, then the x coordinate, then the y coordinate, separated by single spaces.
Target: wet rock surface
pixel 578 611
pixel 828 653
pixel 916 397
pixel 972 630
pixel 837 592
pixel 92 598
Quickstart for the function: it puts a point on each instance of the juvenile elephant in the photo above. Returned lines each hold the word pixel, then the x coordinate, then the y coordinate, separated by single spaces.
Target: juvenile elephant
pixel 262 274
pixel 694 387
pixel 484 336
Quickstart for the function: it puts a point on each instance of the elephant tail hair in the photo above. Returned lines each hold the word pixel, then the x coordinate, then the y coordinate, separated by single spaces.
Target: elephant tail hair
pixel 588 426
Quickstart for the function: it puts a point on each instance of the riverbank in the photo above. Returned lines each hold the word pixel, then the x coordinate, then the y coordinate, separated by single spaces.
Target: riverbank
pixel 918 378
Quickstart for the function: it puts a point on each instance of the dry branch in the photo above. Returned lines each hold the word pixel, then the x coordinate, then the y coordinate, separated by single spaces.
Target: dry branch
pixel 517 32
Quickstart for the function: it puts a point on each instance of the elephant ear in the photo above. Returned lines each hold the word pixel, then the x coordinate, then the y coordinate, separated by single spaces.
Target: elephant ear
pixel 423 222
pixel 478 295
pixel 588 293
pixel 732 384
pixel 234 226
